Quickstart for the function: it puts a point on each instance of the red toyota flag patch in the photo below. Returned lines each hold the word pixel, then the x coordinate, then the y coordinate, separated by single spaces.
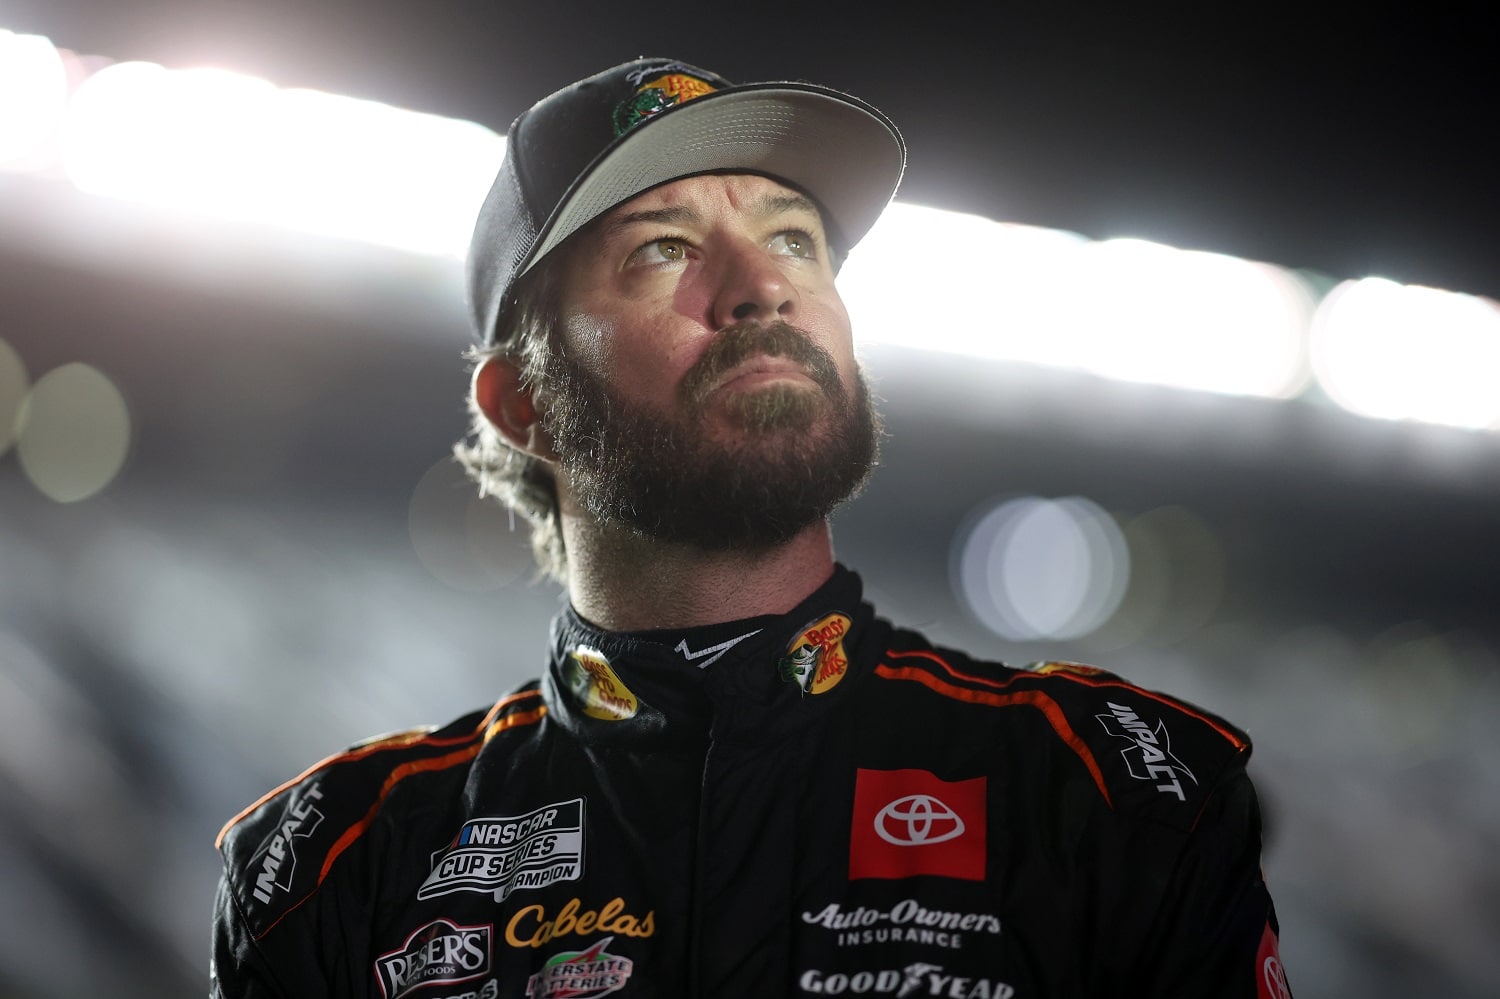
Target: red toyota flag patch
pixel 911 822
pixel 1270 976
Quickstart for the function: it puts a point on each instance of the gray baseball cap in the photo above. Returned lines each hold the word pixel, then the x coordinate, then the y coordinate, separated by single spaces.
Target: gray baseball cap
pixel 576 154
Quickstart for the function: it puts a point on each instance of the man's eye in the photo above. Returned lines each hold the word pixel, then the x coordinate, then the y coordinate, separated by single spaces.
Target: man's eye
pixel 662 251
pixel 794 243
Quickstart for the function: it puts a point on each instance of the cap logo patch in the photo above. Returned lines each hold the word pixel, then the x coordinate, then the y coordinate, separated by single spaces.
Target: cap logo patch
pixel 600 691
pixel 815 659
pixel 657 95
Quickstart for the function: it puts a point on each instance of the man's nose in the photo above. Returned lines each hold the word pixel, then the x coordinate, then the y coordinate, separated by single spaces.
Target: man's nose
pixel 751 285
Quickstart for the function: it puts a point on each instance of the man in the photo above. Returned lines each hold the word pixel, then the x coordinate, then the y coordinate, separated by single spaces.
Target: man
pixel 733 779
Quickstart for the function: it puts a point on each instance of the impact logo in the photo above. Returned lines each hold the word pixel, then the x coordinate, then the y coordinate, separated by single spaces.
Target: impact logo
pixel 503 854
pixel 914 980
pixel 815 659
pixel 440 953
pixel 275 861
pixel 578 973
pixel 1149 756
pixel 657 89
pixel 910 822
pixel 600 691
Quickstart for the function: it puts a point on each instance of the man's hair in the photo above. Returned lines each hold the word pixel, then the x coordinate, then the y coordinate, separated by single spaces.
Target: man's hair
pixel 525 484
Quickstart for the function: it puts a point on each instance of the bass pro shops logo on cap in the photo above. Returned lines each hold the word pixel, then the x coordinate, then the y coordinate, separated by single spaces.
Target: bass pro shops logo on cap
pixel 910 822
pixel 815 659
pixel 658 88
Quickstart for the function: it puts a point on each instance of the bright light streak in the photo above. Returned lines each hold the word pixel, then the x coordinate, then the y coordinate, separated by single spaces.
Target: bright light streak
pixel 233 146
pixel 960 283
pixel 33 92
pixel 1122 308
pixel 1405 352
pixel 1145 312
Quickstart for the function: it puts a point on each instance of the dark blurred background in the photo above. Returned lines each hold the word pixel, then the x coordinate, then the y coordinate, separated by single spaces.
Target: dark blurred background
pixel 278 561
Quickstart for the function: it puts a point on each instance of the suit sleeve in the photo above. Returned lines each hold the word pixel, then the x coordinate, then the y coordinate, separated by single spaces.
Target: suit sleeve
pixel 1215 933
pixel 237 968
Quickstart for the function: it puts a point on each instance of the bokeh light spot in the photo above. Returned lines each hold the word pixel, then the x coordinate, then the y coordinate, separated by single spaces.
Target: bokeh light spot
pixel 13 382
pixel 1032 568
pixel 74 432
pixel 464 540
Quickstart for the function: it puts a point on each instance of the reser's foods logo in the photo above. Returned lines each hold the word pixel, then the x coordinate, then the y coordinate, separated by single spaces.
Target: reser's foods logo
pixel 1149 755
pixel 439 953
pixel 506 853
pixel 276 857
pixel 917 819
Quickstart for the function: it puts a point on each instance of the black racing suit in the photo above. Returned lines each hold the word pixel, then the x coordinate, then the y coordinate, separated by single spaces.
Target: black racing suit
pixel 813 803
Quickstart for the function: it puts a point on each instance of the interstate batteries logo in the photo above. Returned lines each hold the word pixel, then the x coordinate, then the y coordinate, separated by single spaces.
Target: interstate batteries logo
pixel 440 953
pixel 503 854
pixel 578 973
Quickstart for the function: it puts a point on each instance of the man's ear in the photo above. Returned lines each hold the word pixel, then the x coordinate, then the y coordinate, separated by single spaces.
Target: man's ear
pixel 508 405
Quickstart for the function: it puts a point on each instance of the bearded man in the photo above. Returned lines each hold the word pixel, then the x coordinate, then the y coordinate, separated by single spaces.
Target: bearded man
pixel 733 778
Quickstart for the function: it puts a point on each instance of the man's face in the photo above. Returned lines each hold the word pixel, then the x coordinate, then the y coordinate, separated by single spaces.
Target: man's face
pixel 706 391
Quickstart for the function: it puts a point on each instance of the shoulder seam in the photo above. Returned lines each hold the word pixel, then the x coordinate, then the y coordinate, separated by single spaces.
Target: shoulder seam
pixel 411 738
pixel 1035 698
pixel 486 730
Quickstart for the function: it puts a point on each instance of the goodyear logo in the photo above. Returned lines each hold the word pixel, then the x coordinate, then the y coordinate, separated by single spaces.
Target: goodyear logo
pixel 815 660
pixel 506 853
pixel 600 691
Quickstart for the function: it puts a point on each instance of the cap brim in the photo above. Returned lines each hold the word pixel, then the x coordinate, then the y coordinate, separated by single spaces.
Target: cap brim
pixel 842 152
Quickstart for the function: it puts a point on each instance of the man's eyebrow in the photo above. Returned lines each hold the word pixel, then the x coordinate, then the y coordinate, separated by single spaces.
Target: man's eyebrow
pixel 675 215
pixel 780 204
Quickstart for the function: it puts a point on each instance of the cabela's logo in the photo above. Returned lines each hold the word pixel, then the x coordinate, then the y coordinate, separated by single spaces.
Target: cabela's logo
pixel 1149 755
pixel 579 973
pixel 815 659
pixel 600 691
pixel 673 86
pixel 531 927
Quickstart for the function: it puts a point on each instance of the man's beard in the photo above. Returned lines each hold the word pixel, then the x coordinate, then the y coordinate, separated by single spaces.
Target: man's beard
pixel 797 455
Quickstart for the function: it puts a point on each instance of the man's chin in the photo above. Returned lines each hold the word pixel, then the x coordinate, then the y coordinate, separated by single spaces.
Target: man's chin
pixel 774 407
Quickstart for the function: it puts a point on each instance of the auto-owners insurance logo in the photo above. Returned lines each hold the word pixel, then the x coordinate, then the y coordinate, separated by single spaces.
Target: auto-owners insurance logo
pixel 508 852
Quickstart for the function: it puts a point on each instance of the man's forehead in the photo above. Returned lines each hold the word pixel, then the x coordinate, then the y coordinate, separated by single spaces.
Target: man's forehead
pixel 745 192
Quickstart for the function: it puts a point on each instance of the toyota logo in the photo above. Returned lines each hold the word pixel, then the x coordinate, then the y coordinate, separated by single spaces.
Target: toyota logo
pixel 918 820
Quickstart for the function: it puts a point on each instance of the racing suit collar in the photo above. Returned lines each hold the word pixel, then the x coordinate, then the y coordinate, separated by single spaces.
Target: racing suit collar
pixel 745 679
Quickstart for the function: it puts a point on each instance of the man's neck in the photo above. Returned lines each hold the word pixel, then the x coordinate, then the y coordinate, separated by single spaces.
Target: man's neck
pixel 622 582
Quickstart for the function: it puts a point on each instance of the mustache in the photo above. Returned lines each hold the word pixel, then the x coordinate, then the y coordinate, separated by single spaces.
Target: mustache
pixel 735 344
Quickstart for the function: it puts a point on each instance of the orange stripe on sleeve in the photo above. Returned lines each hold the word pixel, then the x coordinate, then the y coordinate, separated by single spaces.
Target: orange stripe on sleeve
pixel 396 776
pixel 1087 681
pixel 1035 698
pixel 413 738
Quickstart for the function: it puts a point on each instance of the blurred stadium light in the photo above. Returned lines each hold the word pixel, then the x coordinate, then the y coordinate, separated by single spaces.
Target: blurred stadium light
pixel 212 143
